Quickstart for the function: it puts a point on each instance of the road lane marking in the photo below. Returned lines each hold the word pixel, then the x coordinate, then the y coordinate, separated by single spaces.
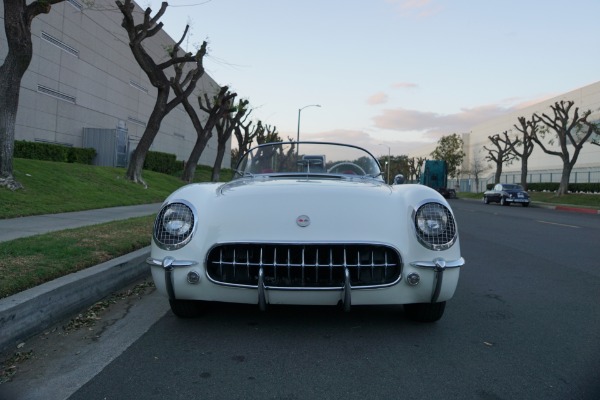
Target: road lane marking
pixel 554 223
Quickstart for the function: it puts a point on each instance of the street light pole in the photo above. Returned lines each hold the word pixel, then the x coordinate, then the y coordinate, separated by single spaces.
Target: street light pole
pixel 299 111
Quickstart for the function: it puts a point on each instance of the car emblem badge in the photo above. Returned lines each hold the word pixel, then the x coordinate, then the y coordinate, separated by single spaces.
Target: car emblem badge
pixel 303 221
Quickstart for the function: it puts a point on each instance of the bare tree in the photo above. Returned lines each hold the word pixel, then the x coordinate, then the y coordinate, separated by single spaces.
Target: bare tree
pixel 477 168
pixel 568 130
pixel 501 154
pixel 528 129
pixel 596 127
pixel 215 110
pixel 224 128
pixel 245 133
pixel 18 16
pixel 268 134
pixel 158 78
pixel 414 168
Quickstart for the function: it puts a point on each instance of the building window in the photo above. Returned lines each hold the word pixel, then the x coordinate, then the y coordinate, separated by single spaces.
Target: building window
pixel 136 121
pixel 76 4
pixel 60 44
pixel 138 86
pixel 56 94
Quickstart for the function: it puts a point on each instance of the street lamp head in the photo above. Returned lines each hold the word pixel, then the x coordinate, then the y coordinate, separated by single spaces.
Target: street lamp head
pixel 310 105
pixel 299 110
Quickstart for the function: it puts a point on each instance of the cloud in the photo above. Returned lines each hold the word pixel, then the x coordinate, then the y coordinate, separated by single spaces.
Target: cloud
pixel 434 125
pixel 363 139
pixel 377 98
pixel 404 85
pixel 419 8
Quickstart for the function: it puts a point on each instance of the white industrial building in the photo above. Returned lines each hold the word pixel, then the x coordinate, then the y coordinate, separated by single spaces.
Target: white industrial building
pixel 84 78
pixel 542 167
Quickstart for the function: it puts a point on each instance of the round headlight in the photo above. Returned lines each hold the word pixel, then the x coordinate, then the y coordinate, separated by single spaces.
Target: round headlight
pixel 177 220
pixel 174 226
pixel 435 226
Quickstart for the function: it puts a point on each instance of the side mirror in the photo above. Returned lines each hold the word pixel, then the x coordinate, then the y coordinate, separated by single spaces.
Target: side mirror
pixel 399 179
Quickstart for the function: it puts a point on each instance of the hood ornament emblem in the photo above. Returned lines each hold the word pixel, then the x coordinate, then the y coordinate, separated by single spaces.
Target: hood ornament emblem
pixel 303 221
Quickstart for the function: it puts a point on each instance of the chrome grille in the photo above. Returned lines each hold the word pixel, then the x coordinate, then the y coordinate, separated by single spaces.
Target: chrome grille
pixel 304 266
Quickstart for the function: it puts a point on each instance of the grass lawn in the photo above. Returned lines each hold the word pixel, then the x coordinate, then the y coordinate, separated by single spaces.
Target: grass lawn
pixel 577 200
pixel 52 187
pixel 28 262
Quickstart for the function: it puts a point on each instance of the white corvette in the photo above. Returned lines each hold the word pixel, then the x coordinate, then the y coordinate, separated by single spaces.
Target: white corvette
pixel 308 224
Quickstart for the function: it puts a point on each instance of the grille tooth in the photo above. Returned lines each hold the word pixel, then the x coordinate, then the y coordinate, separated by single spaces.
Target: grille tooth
pixel 304 266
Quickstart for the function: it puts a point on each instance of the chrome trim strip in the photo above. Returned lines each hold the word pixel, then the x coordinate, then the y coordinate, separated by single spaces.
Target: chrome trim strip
pixel 167 265
pixel 347 290
pixel 433 264
pixel 262 301
pixel 174 263
pixel 316 242
pixel 305 289
pixel 439 278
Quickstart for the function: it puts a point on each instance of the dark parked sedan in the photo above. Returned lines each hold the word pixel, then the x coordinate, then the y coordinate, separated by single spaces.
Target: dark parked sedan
pixel 505 194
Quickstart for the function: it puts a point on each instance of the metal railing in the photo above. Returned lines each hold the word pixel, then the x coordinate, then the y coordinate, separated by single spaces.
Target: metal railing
pixel 577 176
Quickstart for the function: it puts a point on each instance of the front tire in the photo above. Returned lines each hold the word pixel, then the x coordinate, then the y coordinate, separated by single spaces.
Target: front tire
pixel 486 200
pixel 187 308
pixel 503 201
pixel 425 312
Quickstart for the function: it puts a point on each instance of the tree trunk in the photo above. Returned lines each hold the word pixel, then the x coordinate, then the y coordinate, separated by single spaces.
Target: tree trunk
pixel 216 172
pixel 136 164
pixel 498 172
pixel 17 25
pixel 524 172
pixel 563 188
pixel 10 85
pixel 190 166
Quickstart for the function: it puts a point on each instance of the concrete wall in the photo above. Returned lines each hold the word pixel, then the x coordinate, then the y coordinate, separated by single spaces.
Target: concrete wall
pixel 83 75
pixel 586 98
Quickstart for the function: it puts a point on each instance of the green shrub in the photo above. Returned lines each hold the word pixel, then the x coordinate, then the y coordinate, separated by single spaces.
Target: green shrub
pixel 584 187
pixel 543 187
pixel 573 187
pixel 53 152
pixel 164 163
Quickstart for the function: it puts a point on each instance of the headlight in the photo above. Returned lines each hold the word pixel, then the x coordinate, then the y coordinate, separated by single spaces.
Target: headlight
pixel 435 226
pixel 174 226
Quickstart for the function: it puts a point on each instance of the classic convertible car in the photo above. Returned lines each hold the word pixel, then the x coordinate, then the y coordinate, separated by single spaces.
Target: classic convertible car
pixel 307 224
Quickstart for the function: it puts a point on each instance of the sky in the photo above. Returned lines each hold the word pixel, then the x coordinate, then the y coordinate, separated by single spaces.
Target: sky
pixel 390 75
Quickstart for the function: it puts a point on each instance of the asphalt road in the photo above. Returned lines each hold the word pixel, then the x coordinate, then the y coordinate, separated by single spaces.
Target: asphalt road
pixel 524 324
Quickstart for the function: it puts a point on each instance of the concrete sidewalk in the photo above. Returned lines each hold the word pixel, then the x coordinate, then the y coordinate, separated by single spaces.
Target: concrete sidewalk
pixel 16 228
pixel 30 312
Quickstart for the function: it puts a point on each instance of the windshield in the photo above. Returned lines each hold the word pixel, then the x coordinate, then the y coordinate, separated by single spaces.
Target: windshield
pixel 308 158
pixel 512 187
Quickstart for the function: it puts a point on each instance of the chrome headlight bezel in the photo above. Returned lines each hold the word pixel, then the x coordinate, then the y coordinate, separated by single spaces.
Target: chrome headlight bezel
pixel 434 225
pixel 175 225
